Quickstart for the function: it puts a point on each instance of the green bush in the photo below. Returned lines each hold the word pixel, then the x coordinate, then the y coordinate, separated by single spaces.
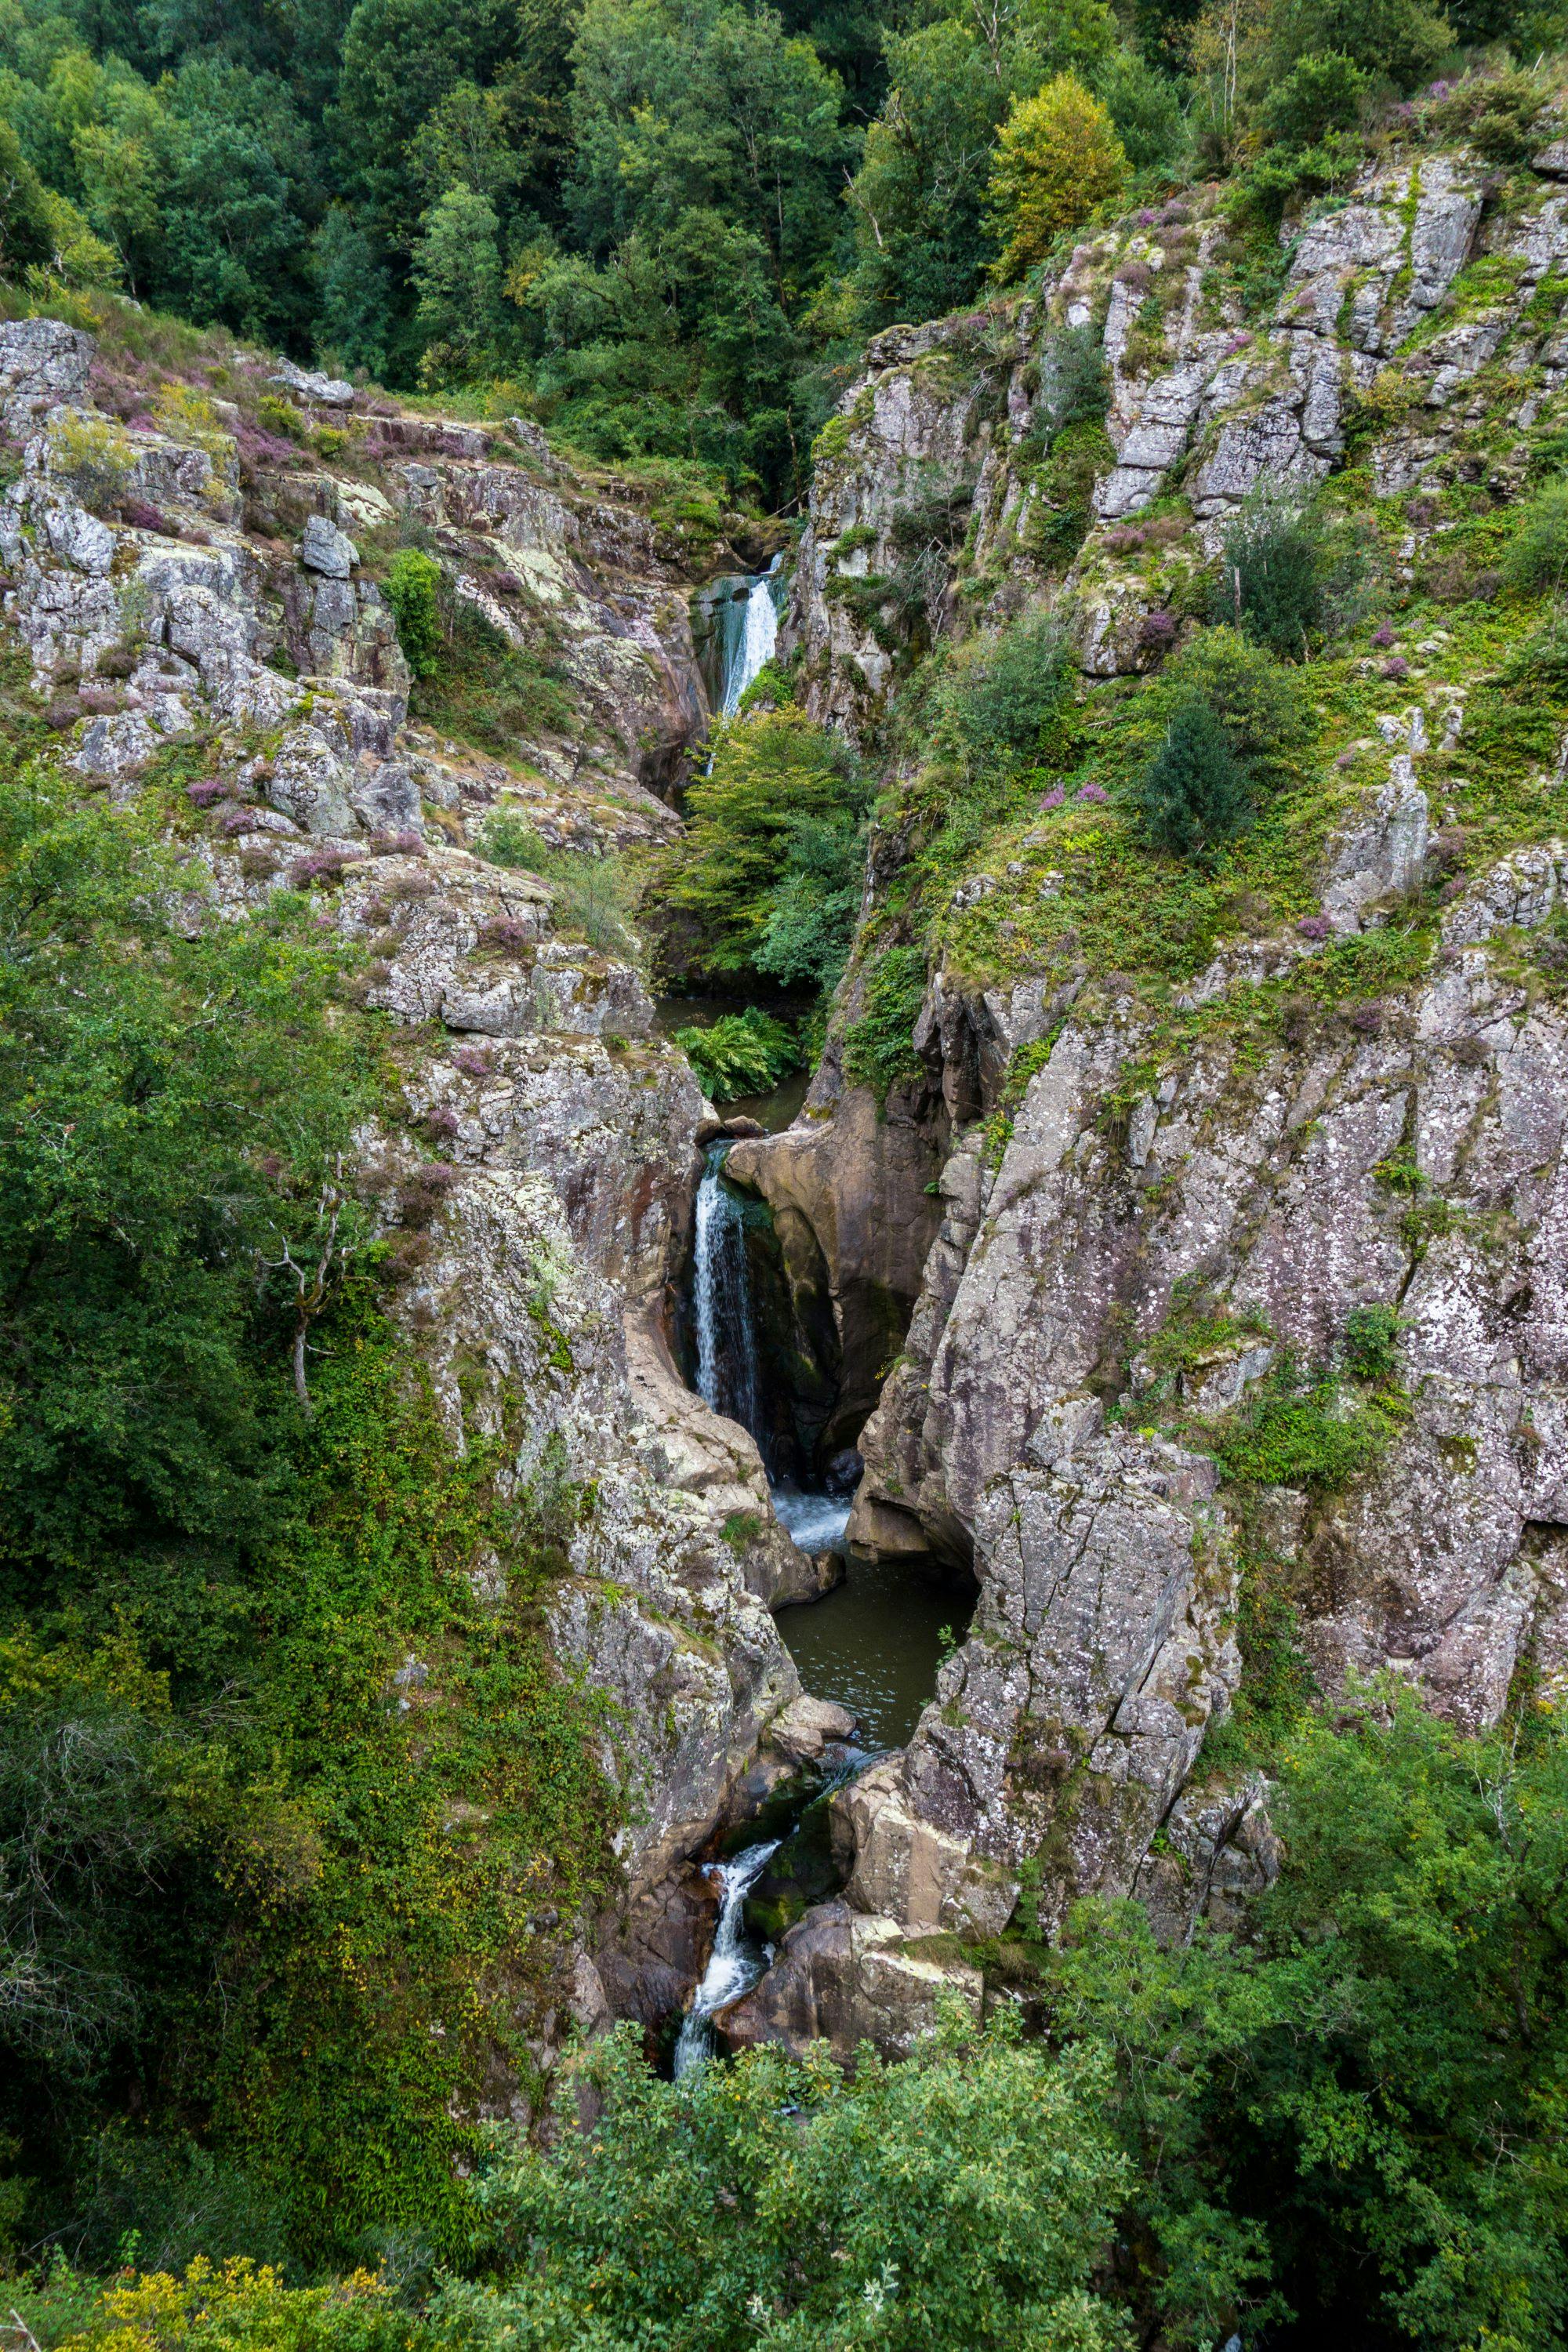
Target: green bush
pixel 1536 558
pixel 1002 702
pixel 741 1054
pixel 1371 1342
pixel 1282 582
pixel 236 2307
pixel 1258 702
pixel 480 687
pixel 413 582
pixel 1194 791
pixel 957 2200
pixel 1073 380
pixel 766 877
pixel 1499 113
pixel 879 1049
pixel 1403 40
pixel 591 897
pixel 1339 2115
pixel 1321 93
pixel 1293 1432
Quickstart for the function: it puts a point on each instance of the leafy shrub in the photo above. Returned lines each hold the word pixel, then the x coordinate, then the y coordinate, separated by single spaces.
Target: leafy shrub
pixel 281 416
pixel 1402 40
pixel 824 2207
pixel 1258 702
pixel 1073 379
pixel 94 457
pixel 1195 793
pixel 1320 93
pixel 766 877
pixel 1339 2111
pixel 591 897
pixel 741 1054
pixel 238 2309
pixel 1499 113
pixel 1371 1342
pixel 1058 157
pixel 879 1049
pixel 1282 581
pixel 1536 558
pixel 1145 107
pixel 1292 1432
pixel 413 580
pixel 1003 700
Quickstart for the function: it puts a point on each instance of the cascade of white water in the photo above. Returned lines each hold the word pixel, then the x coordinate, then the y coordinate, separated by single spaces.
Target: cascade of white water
pixel 726 1338
pixel 759 636
pixel 732 1969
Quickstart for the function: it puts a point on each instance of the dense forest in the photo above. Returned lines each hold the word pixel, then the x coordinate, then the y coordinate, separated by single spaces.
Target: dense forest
pixel 666 231
pixel 264 1959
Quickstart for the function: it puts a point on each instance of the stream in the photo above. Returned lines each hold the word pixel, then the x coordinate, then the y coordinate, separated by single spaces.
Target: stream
pixel 874 1644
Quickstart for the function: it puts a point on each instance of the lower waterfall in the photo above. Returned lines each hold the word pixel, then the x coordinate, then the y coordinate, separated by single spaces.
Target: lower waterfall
pixel 728 1375
pixel 733 1968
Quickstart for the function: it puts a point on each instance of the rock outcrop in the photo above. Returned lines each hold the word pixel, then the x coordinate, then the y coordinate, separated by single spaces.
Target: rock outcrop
pixel 1203 1184
pixel 200 607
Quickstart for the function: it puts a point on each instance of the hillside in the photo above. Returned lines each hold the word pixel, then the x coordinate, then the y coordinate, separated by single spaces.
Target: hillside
pixel 784 1425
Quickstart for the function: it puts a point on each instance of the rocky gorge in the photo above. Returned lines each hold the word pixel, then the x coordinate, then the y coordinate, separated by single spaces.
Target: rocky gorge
pixel 1055 1270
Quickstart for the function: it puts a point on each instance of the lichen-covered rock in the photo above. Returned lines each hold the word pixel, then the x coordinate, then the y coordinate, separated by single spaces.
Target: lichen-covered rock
pixel 844 1977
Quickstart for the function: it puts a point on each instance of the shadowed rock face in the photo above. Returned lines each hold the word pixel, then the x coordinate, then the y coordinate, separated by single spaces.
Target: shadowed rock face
pixel 848 1191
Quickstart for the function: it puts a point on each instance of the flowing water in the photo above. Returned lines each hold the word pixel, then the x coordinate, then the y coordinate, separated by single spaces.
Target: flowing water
pixel 876 1642
pixel 743 650
pixel 722 1298
pixel 735 1964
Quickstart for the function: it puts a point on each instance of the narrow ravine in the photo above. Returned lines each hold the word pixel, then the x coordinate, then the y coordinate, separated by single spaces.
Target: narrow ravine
pixel 736 1961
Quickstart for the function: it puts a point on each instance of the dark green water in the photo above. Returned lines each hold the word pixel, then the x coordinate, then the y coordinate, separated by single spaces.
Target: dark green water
pixel 876 1644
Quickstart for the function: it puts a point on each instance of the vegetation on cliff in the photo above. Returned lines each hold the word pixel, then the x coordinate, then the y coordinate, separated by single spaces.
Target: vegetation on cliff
pixel 298 1821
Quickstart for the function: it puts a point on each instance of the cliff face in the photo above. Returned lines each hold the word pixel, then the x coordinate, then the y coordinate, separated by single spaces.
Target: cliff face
pixel 1192 1170
pixel 228 652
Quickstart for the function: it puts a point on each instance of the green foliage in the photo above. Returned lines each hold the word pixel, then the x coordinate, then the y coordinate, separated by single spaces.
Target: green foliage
pixel 959 2199
pixel 1282 580
pixel 1057 160
pixel 1371 1342
pixel 1343 2116
pixel 1536 560
pixel 1259 704
pixel 412 585
pixel 1195 793
pixel 591 896
pixel 878 1048
pixel 741 1054
pixel 457 270
pixel 173 1109
pixel 1291 1431
pixel 237 1887
pixel 1499 113
pixel 1402 40
pixel 236 2307
pixel 1319 94
pixel 480 687
pixel 920 199
pixel 1005 701
pixel 766 877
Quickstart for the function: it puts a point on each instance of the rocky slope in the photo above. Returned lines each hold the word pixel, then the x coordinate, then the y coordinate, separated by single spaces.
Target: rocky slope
pixel 196 596
pixel 1178 1160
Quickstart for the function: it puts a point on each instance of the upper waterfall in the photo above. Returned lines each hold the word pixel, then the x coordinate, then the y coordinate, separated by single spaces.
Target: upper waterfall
pixel 757 638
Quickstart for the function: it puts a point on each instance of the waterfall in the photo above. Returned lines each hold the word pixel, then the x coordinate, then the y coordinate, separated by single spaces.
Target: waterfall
pixel 726 1336
pixel 758 637
pixel 732 1970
